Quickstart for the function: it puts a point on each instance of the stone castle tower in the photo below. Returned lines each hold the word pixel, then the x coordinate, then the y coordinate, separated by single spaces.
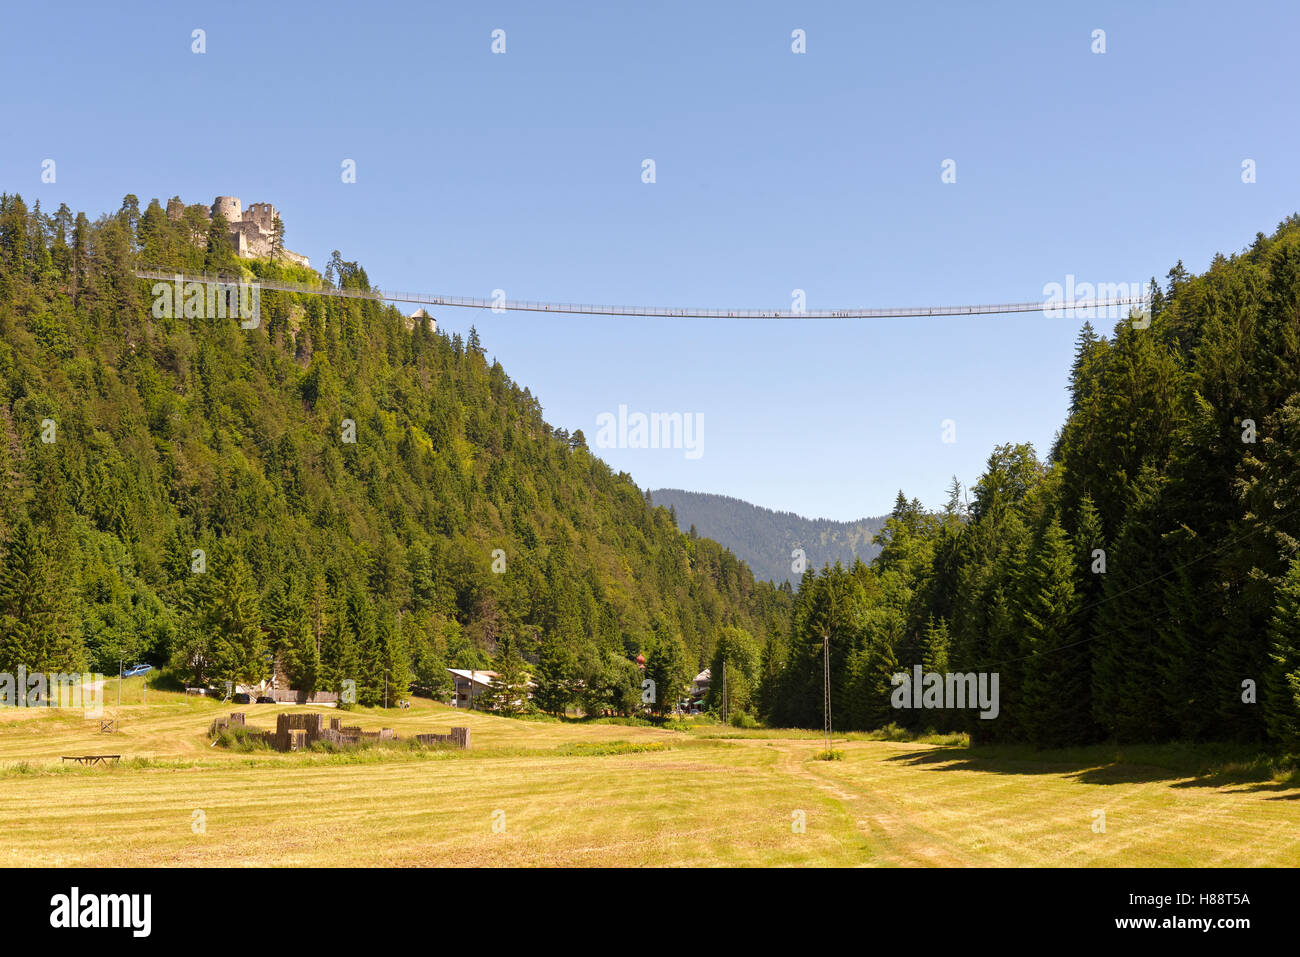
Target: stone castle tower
pixel 228 206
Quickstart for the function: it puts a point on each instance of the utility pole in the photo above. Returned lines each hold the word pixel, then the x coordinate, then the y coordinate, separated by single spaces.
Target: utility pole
pixel 726 711
pixel 826 669
pixel 826 684
pixel 385 689
pixel 119 679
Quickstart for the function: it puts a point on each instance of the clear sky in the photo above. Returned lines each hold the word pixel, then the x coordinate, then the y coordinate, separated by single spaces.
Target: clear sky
pixel 774 171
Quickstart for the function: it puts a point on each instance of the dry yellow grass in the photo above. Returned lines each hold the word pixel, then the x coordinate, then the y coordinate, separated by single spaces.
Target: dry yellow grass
pixel 698 802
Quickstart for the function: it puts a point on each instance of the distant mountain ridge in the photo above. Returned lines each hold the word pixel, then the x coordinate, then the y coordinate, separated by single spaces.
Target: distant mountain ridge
pixel 764 539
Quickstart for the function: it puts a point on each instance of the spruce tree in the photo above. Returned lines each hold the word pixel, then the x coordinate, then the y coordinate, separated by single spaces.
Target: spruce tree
pixel 736 655
pixel 1086 346
pixel 667 668
pixel 555 675
pixel 1056 702
pixel 289 623
pixel 233 620
pixel 35 630
pixel 934 646
pixel 339 654
pixel 869 686
pixel 220 256
pixel 395 656
pixel 509 692
pixel 1125 675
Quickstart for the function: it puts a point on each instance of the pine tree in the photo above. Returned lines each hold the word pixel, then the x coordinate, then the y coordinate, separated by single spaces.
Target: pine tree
pixel 339 653
pixel 277 237
pixel 35 630
pixel 869 686
pixel 1056 702
pixel 1184 639
pixel 934 645
pixel 666 667
pixel 429 669
pixel 1081 378
pixel 395 656
pixel 555 675
pixel 935 642
pixel 369 662
pixel 220 256
pixel 1006 634
pixel 735 655
pixel 290 627
pixel 232 618
pixel 509 692
pixel 1125 674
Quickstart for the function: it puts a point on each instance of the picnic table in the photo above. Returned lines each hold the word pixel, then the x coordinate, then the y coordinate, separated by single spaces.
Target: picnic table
pixel 93 758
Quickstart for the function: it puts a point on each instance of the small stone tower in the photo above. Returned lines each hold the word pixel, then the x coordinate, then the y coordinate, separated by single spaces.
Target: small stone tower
pixel 423 318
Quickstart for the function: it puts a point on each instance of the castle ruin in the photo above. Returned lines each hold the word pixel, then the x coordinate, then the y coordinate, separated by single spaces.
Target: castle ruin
pixel 252 230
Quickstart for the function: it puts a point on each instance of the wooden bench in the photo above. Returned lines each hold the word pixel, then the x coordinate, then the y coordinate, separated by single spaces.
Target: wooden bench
pixel 93 758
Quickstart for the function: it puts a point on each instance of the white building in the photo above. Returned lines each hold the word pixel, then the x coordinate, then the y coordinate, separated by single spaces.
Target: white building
pixel 420 316
pixel 700 683
pixel 469 683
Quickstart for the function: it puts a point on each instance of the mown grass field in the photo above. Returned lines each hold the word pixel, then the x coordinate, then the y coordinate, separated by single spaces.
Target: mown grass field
pixel 575 794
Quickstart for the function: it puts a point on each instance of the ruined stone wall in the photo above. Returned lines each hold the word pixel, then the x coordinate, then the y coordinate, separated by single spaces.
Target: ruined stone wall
pixel 263 215
pixel 250 241
pixel 298 732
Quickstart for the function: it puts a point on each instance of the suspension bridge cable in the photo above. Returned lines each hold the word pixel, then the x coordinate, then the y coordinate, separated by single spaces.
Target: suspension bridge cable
pixel 500 304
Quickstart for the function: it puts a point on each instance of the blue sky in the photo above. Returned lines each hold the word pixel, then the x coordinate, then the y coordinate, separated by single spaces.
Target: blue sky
pixel 774 171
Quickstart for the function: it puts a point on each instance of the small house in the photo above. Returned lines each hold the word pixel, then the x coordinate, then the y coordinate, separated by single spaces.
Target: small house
pixel 469 684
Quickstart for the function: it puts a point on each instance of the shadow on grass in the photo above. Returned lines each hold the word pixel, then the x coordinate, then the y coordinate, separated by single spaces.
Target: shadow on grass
pixel 1186 766
pixel 1289 790
pixel 1288 786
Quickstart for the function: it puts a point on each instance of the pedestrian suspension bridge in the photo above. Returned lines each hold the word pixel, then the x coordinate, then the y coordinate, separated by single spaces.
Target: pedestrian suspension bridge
pixel 500 304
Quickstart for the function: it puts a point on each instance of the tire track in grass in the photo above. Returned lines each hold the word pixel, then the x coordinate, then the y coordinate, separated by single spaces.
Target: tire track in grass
pixel 895 834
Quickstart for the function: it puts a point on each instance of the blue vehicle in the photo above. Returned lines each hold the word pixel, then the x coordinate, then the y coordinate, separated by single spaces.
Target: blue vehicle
pixel 136 670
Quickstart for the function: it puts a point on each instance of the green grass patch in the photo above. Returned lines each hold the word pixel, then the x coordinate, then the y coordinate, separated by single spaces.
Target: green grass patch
pixel 606 748
pixel 894 732
pixel 239 738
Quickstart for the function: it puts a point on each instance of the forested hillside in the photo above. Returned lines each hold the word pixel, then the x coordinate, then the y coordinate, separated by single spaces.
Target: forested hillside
pixel 182 490
pixel 765 539
pixel 1141 583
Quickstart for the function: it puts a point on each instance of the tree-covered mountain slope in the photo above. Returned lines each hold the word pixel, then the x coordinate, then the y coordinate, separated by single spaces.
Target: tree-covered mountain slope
pixel 184 490
pixel 766 540
pixel 1140 584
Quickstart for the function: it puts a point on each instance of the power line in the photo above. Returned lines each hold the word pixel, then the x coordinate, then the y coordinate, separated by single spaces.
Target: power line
pixel 500 304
